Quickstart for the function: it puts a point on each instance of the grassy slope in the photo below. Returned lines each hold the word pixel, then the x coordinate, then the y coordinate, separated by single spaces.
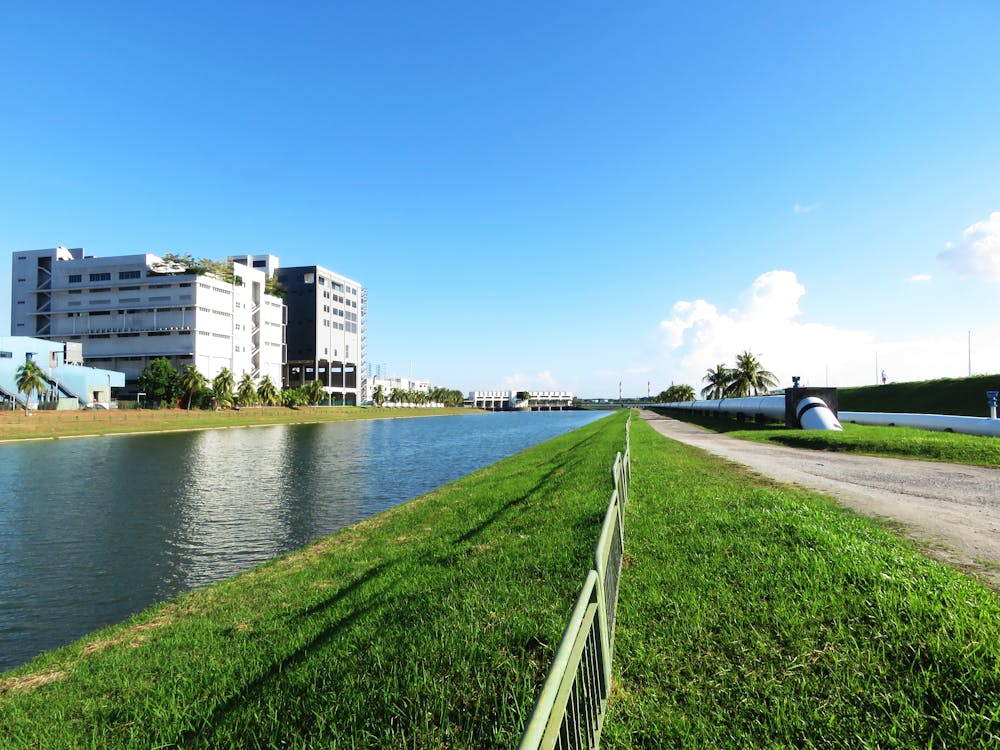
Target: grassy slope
pixel 757 616
pixel 49 424
pixel 961 396
pixel 432 625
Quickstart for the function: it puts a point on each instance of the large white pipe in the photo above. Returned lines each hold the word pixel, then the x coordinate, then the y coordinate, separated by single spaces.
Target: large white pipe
pixel 812 412
pixel 942 422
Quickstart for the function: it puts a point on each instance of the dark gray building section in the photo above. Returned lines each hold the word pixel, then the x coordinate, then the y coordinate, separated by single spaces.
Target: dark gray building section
pixel 322 342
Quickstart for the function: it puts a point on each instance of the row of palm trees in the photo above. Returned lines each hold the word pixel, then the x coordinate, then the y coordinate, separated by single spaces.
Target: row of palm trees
pixel 161 383
pixel 436 395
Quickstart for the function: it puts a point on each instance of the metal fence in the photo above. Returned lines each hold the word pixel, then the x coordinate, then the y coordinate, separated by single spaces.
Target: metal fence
pixel 570 710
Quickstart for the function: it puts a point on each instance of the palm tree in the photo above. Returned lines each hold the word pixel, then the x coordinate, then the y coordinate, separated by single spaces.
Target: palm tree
pixel 397 395
pixel 222 388
pixel 676 393
pixel 267 391
pixel 313 392
pixel 191 382
pixel 379 396
pixel 750 377
pixel 247 393
pixel 29 379
pixel 718 382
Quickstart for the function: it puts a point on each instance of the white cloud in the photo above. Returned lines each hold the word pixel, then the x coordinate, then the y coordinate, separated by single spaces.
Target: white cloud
pixel 977 254
pixel 543 381
pixel 920 278
pixel 805 209
pixel 546 379
pixel 697 336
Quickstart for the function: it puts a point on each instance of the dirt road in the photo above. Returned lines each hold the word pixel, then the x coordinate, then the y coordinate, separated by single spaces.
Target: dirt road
pixel 952 510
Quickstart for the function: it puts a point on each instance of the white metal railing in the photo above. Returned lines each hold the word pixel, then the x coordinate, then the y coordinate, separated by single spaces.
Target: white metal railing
pixel 570 710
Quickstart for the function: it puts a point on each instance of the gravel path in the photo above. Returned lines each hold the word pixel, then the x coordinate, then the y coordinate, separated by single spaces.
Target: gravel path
pixel 952 510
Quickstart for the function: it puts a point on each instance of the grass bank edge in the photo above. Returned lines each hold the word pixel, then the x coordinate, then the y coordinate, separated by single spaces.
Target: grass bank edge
pixel 891 442
pixel 16 426
pixel 440 615
pixel 755 614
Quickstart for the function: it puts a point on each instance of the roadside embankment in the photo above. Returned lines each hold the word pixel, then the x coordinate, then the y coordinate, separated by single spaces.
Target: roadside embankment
pixel 753 614
pixel 432 625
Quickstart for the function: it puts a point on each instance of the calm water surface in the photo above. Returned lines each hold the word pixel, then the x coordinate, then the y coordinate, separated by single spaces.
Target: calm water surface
pixel 94 530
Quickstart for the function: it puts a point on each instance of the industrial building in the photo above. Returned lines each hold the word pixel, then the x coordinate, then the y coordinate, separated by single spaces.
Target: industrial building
pixel 68 384
pixel 125 311
pixel 325 334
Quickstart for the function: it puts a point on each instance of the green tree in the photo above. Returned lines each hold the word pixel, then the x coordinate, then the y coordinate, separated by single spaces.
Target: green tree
pixel 313 392
pixel 749 377
pixel 378 397
pixel 397 395
pixel 246 393
pixel 160 381
pixel 29 379
pixel 267 392
pixel 676 393
pixel 191 382
pixel 222 388
pixel 718 382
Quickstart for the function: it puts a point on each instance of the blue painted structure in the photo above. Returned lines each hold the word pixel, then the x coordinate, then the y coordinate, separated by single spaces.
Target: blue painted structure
pixel 70 386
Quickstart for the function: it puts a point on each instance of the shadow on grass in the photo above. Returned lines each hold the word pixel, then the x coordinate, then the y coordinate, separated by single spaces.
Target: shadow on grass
pixel 238 699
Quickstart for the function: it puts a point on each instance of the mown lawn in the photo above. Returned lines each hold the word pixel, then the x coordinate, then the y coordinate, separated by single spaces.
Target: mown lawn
pixel 753 615
pixel 430 626
pixel 750 615
pixel 895 442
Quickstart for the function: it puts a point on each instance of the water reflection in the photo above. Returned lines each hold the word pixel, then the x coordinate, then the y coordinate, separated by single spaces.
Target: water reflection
pixel 94 530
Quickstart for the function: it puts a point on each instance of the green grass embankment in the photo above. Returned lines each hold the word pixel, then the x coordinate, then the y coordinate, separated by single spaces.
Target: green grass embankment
pixel 754 615
pixel 750 615
pixel 432 625
pixel 16 425
pixel 959 396
pixel 894 442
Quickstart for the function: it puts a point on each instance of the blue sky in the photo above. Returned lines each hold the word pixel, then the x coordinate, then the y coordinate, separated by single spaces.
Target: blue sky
pixel 561 196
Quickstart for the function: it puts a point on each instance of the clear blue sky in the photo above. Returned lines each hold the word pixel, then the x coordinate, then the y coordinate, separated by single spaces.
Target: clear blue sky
pixel 565 196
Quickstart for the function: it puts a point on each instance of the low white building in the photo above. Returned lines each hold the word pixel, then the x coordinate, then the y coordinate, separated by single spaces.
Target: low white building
pixel 68 384
pixel 128 310
pixel 388 385
pixel 521 400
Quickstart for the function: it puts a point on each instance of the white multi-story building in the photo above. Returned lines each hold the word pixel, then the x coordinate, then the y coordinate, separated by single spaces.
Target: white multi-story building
pixel 128 310
pixel 325 335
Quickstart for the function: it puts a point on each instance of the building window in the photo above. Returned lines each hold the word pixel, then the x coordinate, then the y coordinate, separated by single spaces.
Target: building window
pixel 106 276
pixel 6 355
pixel 129 275
pixel 75 278
pixel 260 264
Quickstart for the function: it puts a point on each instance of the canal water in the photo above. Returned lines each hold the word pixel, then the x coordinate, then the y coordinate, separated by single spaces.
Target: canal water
pixel 95 530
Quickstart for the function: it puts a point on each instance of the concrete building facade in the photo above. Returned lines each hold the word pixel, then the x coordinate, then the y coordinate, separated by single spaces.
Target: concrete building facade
pixel 325 335
pixel 521 400
pixel 128 310
pixel 69 384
